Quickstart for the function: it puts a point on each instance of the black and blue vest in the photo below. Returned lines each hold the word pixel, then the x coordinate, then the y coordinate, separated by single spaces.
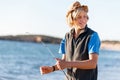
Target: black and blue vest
pixel 77 49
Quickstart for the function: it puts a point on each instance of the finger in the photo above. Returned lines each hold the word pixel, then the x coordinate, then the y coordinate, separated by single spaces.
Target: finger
pixel 41 70
pixel 57 59
pixel 58 66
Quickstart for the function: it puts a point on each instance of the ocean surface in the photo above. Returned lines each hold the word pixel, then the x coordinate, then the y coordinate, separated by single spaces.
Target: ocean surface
pixel 21 61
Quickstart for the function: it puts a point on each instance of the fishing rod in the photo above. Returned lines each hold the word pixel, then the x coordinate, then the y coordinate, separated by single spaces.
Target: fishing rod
pixel 51 53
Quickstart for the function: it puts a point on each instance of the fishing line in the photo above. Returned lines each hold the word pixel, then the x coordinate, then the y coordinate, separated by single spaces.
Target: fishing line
pixel 53 56
pixel 48 50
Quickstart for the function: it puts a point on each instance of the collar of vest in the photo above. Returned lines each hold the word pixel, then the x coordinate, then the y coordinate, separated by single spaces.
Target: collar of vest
pixel 73 31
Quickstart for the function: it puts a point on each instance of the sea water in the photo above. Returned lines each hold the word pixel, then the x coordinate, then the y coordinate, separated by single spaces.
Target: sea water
pixel 21 61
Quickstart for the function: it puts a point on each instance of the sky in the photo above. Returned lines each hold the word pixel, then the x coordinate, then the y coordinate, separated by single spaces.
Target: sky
pixel 47 17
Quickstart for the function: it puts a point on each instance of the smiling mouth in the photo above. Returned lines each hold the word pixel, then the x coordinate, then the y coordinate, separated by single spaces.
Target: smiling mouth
pixel 81 23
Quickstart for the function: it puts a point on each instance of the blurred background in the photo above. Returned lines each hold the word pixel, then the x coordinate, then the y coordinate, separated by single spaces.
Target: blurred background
pixel 20 60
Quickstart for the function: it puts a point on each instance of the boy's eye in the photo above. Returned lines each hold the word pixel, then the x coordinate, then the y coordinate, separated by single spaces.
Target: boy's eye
pixel 82 17
pixel 85 17
pixel 79 17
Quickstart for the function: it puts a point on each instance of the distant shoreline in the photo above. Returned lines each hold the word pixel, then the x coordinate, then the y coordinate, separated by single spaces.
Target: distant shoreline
pixel 110 45
pixel 32 38
pixel 106 44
